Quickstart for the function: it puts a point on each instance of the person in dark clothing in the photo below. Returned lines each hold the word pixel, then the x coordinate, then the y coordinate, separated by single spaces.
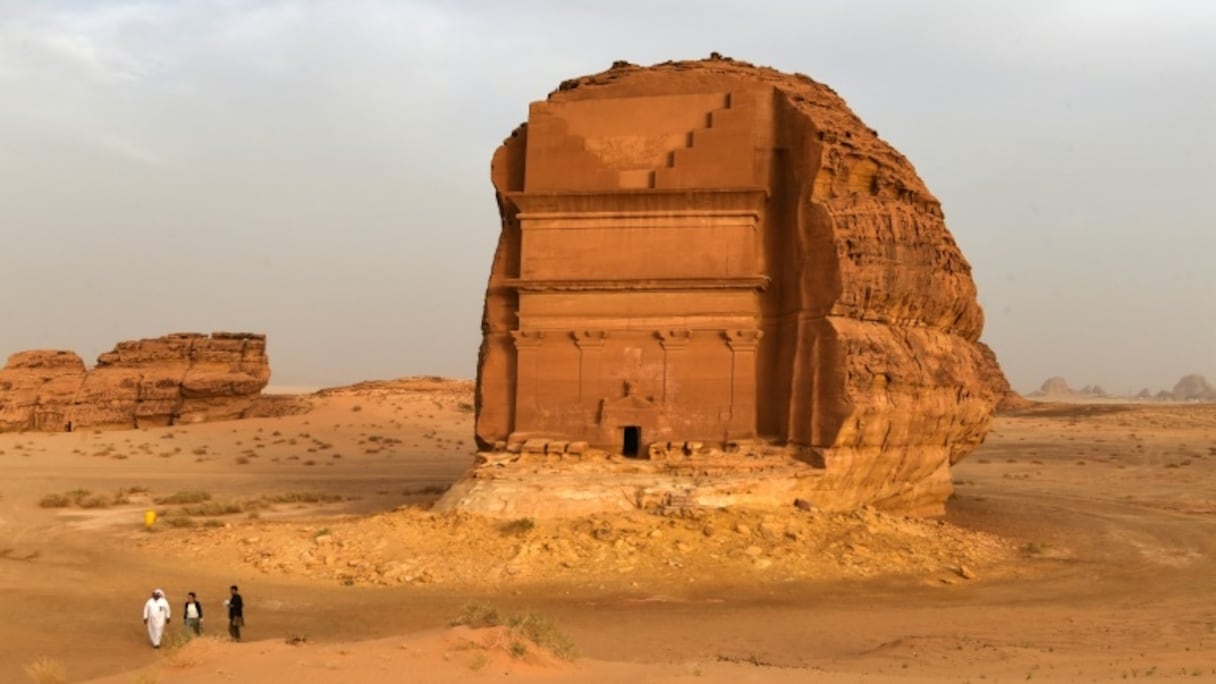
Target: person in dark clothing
pixel 193 613
pixel 236 614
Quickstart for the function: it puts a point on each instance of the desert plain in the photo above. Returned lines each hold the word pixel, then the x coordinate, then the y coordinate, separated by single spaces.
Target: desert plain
pixel 1078 546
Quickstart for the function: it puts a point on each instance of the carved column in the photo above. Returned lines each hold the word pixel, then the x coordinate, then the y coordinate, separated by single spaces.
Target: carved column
pixel 590 352
pixel 674 342
pixel 527 345
pixel 742 345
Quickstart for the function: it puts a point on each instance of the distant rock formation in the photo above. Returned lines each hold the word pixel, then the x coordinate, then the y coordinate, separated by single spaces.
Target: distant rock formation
pixel 1193 387
pixel 1054 386
pixel 1057 388
pixel 179 378
pixel 714 252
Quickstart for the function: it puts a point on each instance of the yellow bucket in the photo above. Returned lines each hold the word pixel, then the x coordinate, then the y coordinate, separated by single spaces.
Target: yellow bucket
pixel 149 518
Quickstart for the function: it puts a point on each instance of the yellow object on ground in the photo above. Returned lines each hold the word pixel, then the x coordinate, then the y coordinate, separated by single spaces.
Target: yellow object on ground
pixel 149 518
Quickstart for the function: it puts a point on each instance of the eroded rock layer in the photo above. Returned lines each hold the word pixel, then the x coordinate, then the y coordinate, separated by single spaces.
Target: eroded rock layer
pixel 725 253
pixel 179 378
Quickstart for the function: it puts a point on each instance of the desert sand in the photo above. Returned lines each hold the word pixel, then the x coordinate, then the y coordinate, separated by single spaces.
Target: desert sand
pixel 1078 547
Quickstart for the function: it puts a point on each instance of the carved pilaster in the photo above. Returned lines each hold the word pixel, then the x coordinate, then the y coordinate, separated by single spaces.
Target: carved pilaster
pixel 674 342
pixel 590 345
pixel 527 343
pixel 743 345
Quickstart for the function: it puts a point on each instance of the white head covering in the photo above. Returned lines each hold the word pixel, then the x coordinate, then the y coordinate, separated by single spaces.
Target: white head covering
pixel 157 593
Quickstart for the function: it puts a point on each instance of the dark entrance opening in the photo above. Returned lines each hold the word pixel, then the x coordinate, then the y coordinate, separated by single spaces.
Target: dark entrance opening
pixel 632 441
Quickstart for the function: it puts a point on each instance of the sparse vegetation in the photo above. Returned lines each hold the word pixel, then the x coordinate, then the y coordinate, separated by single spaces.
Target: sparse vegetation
pixel 1036 548
pixel 55 501
pixel 531 626
pixel 519 526
pixel 189 497
pixel 46 671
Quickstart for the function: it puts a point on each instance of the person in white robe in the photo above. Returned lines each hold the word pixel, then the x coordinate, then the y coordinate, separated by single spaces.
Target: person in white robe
pixel 156 616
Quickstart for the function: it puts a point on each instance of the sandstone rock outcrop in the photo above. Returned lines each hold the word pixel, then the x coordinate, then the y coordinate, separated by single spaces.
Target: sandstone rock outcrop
pixel 179 378
pixel 716 253
pixel 1193 387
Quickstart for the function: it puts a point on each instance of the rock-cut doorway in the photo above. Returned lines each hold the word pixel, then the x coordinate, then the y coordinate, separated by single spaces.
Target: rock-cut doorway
pixel 631 441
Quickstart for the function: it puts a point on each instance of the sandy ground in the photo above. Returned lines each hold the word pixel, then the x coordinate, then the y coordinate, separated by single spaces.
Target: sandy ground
pixel 1079 547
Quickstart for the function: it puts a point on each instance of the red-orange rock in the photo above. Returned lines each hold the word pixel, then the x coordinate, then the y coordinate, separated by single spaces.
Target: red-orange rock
pixel 719 252
pixel 184 377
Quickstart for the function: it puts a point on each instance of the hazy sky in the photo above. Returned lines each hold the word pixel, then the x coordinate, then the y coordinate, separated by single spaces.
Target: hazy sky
pixel 319 171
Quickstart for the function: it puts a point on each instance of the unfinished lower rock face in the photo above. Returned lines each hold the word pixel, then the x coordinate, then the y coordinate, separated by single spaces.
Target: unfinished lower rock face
pixel 720 253
pixel 179 378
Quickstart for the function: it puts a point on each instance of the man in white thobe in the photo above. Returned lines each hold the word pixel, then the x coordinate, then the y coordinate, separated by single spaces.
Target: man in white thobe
pixel 156 616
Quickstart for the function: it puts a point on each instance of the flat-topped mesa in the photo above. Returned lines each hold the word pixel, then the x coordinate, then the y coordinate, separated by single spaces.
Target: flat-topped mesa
pixel 179 378
pixel 713 252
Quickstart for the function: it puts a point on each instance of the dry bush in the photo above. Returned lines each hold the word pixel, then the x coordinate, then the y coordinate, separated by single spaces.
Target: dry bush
pixel 212 509
pixel 46 671
pixel 192 497
pixel 519 526
pixel 93 501
pixel 55 501
pixel 478 615
pixel 531 626
pixel 302 498
pixel 175 521
pixel 542 630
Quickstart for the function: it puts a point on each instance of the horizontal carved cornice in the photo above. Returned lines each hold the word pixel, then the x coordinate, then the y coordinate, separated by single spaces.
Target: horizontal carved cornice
pixel 757 282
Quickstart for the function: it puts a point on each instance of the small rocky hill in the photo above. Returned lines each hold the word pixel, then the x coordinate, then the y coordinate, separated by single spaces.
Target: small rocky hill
pixel 178 378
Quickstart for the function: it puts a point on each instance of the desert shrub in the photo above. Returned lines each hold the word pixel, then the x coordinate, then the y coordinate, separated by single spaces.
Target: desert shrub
pixel 176 521
pixel 46 671
pixel 212 508
pixel 78 495
pixel 531 626
pixel 476 615
pixel 298 498
pixel 93 501
pixel 518 526
pixel 542 630
pixel 55 501
pixel 191 497
pixel 1036 547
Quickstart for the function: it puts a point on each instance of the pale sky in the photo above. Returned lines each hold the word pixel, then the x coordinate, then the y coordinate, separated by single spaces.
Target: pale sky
pixel 319 171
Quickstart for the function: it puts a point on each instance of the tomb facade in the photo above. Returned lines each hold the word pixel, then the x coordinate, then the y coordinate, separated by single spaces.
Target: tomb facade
pixel 714 253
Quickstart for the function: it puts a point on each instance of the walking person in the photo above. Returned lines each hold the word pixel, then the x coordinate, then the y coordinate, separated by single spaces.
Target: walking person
pixel 193 615
pixel 156 616
pixel 236 614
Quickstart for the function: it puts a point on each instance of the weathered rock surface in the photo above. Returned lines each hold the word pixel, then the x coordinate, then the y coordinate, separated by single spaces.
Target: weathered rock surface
pixel 179 378
pixel 714 251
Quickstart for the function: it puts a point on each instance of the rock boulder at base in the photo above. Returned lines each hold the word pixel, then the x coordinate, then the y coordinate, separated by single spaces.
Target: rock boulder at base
pixel 715 253
pixel 179 378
